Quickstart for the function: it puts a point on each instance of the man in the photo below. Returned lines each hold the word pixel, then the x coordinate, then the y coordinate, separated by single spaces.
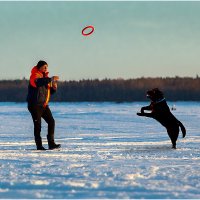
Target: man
pixel 39 90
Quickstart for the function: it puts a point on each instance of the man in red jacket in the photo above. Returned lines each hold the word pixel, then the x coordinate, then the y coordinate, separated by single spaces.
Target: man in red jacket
pixel 39 91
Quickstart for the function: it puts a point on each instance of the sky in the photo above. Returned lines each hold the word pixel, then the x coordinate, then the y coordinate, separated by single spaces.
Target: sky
pixel 131 39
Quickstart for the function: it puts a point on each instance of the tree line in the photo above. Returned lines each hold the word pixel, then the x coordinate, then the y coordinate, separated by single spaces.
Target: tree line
pixel 113 90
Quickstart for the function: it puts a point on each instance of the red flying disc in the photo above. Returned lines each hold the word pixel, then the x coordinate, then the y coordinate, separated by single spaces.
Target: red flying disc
pixel 87 27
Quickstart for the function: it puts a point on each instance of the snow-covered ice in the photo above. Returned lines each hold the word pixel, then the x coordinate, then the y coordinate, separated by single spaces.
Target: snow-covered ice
pixel 107 152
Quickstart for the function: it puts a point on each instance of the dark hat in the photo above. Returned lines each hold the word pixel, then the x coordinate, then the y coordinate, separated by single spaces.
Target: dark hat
pixel 41 63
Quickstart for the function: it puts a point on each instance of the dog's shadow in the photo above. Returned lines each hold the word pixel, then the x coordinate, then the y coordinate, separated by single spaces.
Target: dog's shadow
pixel 148 149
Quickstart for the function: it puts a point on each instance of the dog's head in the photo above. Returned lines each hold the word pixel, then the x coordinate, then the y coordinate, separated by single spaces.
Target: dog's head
pixel 155 95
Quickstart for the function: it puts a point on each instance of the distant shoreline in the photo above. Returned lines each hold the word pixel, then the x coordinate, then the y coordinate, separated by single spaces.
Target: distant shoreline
pixel 108 90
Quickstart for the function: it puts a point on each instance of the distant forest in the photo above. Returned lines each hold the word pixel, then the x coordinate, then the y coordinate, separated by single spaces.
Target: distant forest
pixel 112 90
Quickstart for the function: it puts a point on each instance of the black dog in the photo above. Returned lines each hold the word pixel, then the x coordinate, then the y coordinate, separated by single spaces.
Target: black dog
pixel 161 113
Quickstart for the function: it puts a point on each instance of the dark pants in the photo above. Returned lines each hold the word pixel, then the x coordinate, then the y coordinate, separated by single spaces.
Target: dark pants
pixel 38 112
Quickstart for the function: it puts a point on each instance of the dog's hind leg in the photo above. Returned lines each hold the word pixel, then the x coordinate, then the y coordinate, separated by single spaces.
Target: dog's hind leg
pixel 173 135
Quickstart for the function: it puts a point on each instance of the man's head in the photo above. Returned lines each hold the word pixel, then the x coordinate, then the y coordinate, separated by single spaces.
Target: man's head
pixel 155 94
pixel 42 66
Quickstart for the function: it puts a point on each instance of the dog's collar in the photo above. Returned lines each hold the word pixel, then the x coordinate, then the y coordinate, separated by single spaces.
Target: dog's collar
pixel 159 100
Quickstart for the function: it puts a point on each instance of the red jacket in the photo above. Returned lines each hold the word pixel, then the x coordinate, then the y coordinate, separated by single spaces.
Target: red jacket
pixel 40 88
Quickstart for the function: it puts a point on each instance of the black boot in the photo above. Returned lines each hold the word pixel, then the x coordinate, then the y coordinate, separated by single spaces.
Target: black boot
pixel 40 148
pixel 39 144
pixel 53 145
pixel 173 146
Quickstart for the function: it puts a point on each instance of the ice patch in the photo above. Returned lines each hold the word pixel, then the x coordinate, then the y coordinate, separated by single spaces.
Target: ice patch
pixel 134 176
pixel 39 182
pixel 4 190
pixel 74 183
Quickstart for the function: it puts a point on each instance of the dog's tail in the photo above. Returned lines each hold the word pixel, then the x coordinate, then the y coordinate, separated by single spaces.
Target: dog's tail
pixel 183 130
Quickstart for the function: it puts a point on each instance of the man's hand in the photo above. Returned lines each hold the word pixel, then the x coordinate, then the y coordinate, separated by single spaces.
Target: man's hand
pixel 54 78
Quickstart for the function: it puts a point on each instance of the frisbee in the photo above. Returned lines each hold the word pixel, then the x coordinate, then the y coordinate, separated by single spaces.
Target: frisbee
pixel 89 33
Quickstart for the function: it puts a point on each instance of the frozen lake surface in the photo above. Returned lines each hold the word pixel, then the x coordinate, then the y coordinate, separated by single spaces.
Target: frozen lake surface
pixel 107 152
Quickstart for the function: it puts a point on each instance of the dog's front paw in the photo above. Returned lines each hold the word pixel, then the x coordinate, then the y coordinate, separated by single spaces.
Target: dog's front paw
pixel 142 110
pixel 139 114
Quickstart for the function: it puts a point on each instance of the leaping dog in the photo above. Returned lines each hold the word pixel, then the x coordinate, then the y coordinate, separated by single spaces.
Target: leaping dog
pixel 161 113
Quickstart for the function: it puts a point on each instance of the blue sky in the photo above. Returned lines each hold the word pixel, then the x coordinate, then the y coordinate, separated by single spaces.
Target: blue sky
pixel 131 39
